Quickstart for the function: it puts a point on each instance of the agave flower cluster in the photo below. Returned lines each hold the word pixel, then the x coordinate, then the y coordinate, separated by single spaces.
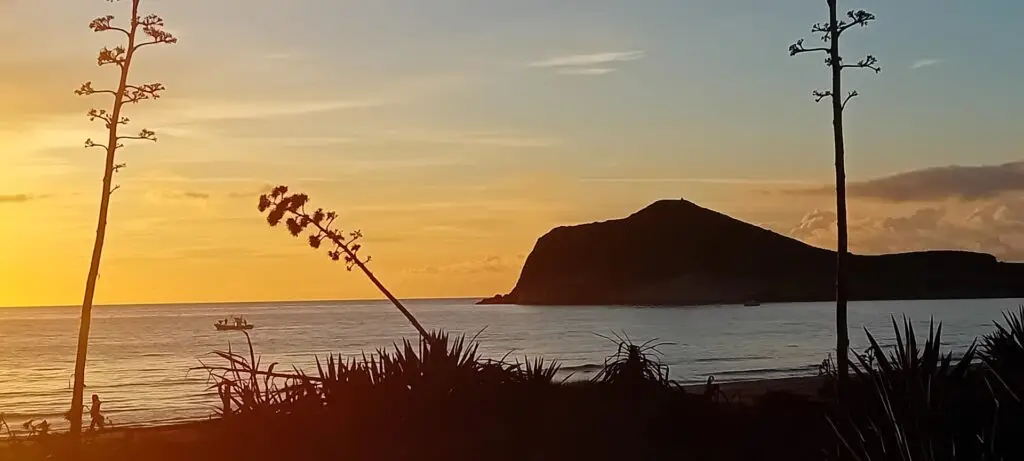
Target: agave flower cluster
pixel 291 208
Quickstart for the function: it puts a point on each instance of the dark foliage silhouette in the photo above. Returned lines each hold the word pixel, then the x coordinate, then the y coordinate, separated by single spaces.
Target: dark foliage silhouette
pixel 141 32
pixel 443 400
pixel 830 32
pixel 319 226
pixel 1003 351
pixel 635 366
pixel 913 402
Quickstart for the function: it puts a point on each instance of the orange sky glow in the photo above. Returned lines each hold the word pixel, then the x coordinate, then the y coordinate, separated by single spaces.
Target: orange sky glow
pixel 455 137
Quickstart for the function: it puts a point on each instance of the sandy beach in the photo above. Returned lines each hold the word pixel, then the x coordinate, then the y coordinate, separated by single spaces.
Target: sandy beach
pixel 184 433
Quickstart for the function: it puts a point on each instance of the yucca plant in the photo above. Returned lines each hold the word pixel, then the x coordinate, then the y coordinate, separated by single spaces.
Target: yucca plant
pixel 439 365
pixel 537 371
pixel 634 365
pixel 245 386
pixel 914 402
pixel 1003 351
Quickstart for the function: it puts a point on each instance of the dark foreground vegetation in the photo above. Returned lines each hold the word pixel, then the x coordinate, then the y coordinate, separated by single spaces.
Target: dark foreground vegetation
pixel 438 399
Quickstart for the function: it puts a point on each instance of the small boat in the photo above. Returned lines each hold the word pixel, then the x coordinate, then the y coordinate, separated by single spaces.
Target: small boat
pixel 235 323
pixel 751 303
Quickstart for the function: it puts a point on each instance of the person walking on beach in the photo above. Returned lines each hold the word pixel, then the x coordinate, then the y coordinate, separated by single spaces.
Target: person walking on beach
pixel 97 418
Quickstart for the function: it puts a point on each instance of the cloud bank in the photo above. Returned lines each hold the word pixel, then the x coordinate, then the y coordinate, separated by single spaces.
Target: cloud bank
pixel 997 227
pixel 968 183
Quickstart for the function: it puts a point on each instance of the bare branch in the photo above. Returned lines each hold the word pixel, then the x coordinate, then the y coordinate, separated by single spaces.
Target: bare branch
pixel 136 93
pixel 89 144
pixel 87 89
pixel 823 29
pixel 114 189
pixel 870 62
pixel 101 114
pixel 111 56
pixel 798 48
pixel 151 20
pixel 102 23
pixel 853 94
pixel 821 94
pixel 153 26
pixel 858 18
pixel 144 135
pixel 119 167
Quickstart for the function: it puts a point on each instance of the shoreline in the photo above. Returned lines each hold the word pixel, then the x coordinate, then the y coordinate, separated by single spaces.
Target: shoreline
pixel 185 431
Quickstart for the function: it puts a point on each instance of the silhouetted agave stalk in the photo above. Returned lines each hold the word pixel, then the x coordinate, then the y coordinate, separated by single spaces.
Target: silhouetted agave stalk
pixel 141 31
pixel 830 32
pixel 280 205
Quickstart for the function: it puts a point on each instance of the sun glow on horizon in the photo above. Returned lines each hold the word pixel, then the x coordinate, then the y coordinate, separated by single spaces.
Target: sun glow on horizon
pixel 455 136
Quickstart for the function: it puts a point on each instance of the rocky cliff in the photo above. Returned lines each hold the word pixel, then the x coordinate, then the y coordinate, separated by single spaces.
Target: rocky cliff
pixel 676 253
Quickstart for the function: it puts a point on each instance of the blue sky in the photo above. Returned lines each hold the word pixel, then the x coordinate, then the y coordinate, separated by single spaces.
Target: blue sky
pixel 492 121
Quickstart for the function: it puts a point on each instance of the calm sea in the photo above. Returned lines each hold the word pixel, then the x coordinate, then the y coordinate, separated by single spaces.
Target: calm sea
pixel 140 356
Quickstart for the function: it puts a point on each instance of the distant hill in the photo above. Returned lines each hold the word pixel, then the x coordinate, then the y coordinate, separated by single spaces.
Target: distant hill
pixel 674 252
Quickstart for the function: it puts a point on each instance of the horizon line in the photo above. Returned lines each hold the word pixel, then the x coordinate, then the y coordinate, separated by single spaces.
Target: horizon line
pixel 215 303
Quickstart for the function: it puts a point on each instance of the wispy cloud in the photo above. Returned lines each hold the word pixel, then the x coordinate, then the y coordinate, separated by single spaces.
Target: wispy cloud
pixel 159 196
pixel 15 198
pixel 489 264
pixel 193 110
pixel 592 71
pixel 283 56
pixel 588 60
pixel 195 195
pixel 255 192
pixel 925 63
pixel 471 138
pixel 738 181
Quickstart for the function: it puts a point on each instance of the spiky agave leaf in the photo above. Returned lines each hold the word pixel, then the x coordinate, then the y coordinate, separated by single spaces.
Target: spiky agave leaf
pixel 913 402
pixel 634 365
pixel 1003 351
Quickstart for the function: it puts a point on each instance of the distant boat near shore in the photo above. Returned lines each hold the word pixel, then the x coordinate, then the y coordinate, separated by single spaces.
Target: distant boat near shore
pixel 751 303
pixel 238 323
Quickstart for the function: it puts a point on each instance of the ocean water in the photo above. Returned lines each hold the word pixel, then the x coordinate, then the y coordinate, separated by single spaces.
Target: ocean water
pixel 140 356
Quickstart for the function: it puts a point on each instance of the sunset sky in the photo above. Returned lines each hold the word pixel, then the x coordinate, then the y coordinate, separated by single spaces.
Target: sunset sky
pixel 455 132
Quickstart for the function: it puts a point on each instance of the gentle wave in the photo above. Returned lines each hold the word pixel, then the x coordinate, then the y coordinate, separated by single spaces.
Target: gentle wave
pixel 584 368
pixel 145 378
pixel 731 359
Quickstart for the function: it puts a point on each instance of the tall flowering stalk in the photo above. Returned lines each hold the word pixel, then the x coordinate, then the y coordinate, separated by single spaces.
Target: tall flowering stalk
pixel 319 228
pixel 140 33
pixel 830 32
